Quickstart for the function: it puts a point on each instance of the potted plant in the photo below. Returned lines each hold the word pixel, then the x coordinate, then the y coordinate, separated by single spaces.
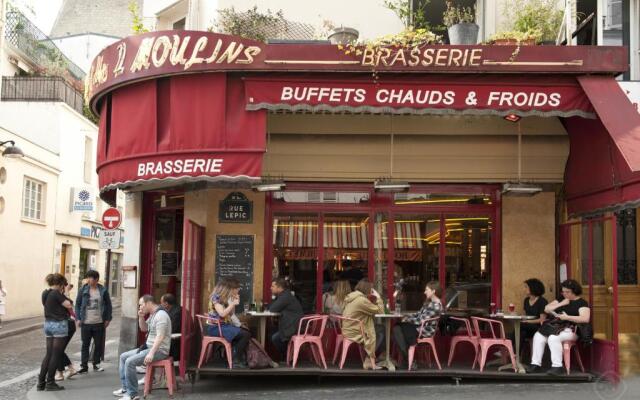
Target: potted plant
pixel 516 38
pixel 343 35
pixel 460 22
pixel 530 20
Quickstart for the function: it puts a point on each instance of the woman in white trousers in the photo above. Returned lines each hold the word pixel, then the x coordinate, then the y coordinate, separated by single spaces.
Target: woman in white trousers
pixel 572 310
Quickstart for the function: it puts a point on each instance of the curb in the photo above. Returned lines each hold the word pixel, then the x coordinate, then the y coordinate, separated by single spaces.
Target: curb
pixel 17 331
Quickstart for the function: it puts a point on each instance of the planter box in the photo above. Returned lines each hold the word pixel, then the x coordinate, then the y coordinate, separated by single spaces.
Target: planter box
pixel 513 42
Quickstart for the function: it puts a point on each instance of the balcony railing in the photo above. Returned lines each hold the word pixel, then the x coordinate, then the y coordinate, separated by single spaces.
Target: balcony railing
pixel 35 45
pixel 43 88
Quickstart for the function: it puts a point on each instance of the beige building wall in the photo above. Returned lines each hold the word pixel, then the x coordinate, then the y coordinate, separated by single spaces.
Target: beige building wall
pixel 528 245
pixel 202 208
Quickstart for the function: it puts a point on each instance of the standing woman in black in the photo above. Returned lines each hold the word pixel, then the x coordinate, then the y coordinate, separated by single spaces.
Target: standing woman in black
pixel 56 330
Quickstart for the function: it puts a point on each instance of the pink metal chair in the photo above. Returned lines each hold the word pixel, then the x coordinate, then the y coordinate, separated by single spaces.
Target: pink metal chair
pixel 314 326
pixel 169 373
pixel 425 340
pixel 566 354
pixel 209 342
pixel 499 339
pixel 470 337
pixel 344 344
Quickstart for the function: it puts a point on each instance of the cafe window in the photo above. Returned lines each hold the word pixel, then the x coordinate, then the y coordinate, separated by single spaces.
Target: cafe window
pixel 33 199
pixel 595 254
pixel 627 247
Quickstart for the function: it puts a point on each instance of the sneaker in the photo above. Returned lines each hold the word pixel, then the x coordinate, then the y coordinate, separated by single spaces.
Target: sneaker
pixel 533 369
pixel 59 376
pixel 70 372
pixel 127 397
pixel 141 369
pixel 120 392
pixel 83 370
pixel 40 386
pixel 97 368
pixel 53 387
pixel 556 371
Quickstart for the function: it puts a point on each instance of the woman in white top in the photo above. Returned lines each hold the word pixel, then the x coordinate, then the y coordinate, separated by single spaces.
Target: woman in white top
pixel 333 303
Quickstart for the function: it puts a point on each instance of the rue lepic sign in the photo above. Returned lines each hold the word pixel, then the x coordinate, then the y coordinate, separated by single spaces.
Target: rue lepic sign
pixel 109 237
pixel 236 208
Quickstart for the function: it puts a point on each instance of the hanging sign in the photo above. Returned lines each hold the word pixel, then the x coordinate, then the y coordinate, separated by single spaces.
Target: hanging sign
pixel 236 208
pixel 82 199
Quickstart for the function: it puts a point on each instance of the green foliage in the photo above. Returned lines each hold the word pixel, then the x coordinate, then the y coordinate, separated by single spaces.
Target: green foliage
pixel 534 16
pixel 251 24
pixel 137 26
pixel 458 15
pixel 86 111
pixel 411 18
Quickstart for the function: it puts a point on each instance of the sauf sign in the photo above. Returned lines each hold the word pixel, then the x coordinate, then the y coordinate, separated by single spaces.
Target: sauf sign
pixel 236 208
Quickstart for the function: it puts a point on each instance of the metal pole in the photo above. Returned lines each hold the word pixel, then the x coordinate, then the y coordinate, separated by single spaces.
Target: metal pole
pixel 107 269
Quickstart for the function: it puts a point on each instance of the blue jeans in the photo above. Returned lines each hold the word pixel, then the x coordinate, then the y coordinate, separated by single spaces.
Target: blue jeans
pixel 127 368
pixel 58 329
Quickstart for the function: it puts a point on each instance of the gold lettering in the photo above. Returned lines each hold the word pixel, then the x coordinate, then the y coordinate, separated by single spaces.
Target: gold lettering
pixel 428 57
pixel 415 57
pixel 200 45
pixel 476 56
pixel 122 52
pixel 214 55
pixel 231 53
pixel 454 60
pixel 387 52
pixel 249 53
pixel 441 58
pixel 367 57
pixel 142 57
pixel 399 56
pixel 178 49
pixel 166 48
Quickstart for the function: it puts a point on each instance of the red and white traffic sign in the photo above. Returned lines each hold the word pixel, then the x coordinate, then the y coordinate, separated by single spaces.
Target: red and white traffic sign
pixel 111 218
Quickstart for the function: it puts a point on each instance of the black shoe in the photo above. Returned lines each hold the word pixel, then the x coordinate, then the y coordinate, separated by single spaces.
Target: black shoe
pixel 83 370
pixel 556 371
pixel 97 368
pixel 40 386
pixel 239 364
pixel 533 369
pixel 53 387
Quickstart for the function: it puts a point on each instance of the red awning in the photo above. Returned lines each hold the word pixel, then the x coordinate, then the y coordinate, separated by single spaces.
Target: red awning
pixel 618 115
pixel 488 95
pixel 178 130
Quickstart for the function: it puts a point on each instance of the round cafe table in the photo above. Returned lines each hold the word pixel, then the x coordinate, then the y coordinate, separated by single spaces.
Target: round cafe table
pixel 387 318
pixel 262 319
pixel 515 320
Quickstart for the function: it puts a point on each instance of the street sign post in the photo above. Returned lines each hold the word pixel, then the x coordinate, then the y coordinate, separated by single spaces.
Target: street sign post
pixel 111 218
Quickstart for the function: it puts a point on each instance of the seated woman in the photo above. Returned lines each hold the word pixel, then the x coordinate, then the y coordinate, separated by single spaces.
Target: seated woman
pixel 333 303
pixel 405 333
pixel 569 312
pixel 222 304
pixel 363 304
pixel 534 305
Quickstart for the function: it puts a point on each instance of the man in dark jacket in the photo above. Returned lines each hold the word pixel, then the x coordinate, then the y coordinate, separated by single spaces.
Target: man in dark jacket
pixel 170 304
pixel 93 313
pixel 290 311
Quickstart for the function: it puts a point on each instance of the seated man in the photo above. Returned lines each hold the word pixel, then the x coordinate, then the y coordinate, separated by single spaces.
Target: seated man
pixel 170 305
pixel 290 311
pixel 156 347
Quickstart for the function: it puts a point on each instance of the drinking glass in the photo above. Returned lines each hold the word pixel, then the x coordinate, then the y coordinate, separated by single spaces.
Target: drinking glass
pixel 512 308
pixel 492 308
pixel 246 308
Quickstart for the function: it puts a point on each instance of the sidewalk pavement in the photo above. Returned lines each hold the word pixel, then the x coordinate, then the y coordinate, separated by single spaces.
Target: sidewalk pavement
pixel 19 326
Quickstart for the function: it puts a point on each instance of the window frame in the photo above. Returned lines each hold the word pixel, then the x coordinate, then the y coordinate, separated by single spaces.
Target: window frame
pixel 30 215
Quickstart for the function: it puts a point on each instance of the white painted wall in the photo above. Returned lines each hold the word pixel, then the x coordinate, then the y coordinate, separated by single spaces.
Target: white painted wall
pixel 82 49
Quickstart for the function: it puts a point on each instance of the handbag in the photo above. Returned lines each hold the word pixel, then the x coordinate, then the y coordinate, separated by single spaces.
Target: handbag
pixel 585 333
pixel 551 327
pixel 257 358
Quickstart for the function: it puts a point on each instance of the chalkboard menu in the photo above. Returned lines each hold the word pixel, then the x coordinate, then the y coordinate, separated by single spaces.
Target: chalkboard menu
pixel 234 259
pixel 169 263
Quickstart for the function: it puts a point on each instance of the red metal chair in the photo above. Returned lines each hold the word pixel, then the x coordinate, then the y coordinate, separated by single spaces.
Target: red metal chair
pixel 425 340
pixel 344 344
pixel 470 337
pixel 566 354
pixel 209 342
pixel 494 340
pixel 314 326
pixel 169 373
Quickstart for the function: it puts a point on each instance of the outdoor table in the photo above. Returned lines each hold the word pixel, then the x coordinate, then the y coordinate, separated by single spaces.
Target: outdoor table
pixel 262 317
pixel 387 333
pixel 516 320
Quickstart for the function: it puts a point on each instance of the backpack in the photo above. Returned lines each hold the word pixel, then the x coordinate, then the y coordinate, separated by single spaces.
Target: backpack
pixel 257 357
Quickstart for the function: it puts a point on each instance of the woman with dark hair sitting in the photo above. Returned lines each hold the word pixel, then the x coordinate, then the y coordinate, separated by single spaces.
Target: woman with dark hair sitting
pixel 569 312
pixel 406 332
pixel 534 305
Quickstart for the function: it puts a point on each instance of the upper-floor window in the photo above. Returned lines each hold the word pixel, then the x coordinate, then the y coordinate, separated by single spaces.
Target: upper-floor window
pixel 33 199
pixel 180 24
pixel 88 159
